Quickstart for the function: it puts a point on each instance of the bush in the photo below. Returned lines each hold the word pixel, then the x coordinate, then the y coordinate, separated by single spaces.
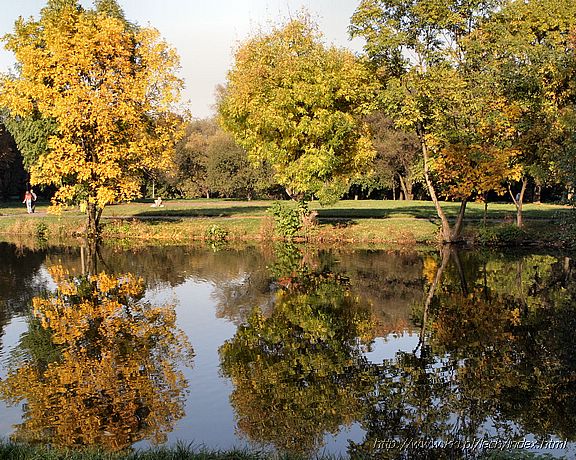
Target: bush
pixel 501 235
pixel 288 219
pixel 41 231
pixel 216 234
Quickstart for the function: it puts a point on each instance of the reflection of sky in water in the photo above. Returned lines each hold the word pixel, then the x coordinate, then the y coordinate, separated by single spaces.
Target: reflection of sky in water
pixel 386 348
pixel 9 416
pixel 210 420
pixel 209 417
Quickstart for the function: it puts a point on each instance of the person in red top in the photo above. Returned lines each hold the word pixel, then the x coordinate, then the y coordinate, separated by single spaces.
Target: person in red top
pixel 29 198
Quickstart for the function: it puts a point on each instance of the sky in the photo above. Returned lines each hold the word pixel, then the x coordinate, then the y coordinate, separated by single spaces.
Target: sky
pixel 205 32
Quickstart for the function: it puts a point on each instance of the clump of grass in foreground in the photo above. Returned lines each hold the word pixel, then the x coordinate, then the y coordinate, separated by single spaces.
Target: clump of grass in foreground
pixel 14 451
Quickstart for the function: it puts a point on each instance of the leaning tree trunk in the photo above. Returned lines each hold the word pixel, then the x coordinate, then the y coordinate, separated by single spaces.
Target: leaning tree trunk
pixel 448 234
pixel 406 185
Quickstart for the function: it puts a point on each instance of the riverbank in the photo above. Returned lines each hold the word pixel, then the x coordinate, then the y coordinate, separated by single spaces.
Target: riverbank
pixel 364 221
pixel 12 451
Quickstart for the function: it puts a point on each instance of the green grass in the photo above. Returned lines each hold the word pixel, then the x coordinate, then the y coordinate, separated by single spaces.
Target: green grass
pixel 13 451
pixel 362 221
pixel 425 210
pixel 360 209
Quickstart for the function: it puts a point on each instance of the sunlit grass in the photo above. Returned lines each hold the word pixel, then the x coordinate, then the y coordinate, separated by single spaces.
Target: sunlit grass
pixel 13 451
pixel 343 209
pixel 362 221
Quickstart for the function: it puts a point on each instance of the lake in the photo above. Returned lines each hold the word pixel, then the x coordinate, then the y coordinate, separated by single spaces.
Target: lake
pixel 352 352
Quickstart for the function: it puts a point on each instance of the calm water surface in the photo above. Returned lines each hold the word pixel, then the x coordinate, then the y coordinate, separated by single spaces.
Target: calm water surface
pixel 286 348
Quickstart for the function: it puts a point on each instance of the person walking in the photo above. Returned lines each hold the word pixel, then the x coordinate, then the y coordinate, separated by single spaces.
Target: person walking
pixel 28 198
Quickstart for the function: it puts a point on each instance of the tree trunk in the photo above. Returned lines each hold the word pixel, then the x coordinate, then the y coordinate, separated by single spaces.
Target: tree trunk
pixel 406 185
pixel 457 230
pixel 485 217
pixel 294 196
pixel 567 271
pixel 448 235
pixel 93 221
pixel 518 202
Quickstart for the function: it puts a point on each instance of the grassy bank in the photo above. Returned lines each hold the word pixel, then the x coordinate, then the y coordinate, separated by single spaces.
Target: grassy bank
pixel 363 221
pixel 11 451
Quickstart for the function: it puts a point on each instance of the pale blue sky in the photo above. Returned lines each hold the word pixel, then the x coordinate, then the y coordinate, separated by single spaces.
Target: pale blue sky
pixel 205 32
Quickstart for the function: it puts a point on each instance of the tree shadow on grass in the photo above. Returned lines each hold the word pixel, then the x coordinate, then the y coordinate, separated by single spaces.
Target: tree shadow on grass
pixel 337 222
pixel 427 211
pixel 229 211
pixel 377 213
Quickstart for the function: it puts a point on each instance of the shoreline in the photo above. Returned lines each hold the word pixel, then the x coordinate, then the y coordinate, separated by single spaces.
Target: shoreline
pixel 391 231
pixel 402 224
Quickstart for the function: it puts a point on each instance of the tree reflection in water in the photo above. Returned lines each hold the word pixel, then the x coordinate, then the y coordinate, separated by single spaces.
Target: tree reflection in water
pixel 496 360
pixel 300 372
pixel 498 352
pixel 98 365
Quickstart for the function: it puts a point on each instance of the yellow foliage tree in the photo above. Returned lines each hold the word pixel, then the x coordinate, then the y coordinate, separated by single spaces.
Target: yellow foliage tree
pixel 99 365
pixel 109 86
pixel 295 105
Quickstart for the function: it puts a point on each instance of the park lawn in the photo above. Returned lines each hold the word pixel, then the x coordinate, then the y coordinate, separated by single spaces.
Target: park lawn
pixel 425 210
pixel 345 209
pixel 352 209
pixel 190 208
pixel 13 208
pixel 361 221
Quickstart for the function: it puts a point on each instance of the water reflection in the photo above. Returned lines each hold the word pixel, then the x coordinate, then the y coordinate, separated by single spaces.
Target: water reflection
pixel 496 362
pixel 98 366
pixel 491 353
pixel 300 372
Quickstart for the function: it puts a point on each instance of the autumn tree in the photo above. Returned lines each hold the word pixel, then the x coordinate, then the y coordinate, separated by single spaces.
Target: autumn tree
pixel 294 103
pixel 109 88
pixel 526 49
pixel 418 51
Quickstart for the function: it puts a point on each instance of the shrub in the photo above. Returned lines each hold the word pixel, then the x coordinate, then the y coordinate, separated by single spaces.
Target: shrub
pixel 501 235
pixel 41 231
pixel 215 233
pixel 287 219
